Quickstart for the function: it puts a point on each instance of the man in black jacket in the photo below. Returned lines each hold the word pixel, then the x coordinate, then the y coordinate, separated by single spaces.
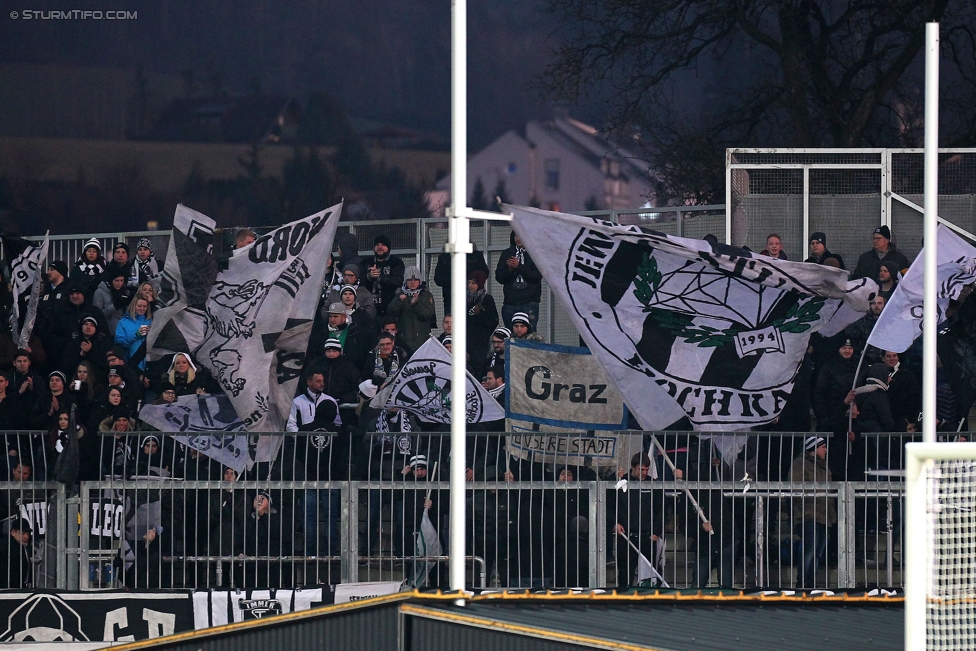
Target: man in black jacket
pixel 632 517
pixel 819 253
pixel 521 282
pixel 869 264
pixel 383 273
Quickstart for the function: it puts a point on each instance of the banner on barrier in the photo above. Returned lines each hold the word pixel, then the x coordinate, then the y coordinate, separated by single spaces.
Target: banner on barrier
pixel 563 386
pixel 43 616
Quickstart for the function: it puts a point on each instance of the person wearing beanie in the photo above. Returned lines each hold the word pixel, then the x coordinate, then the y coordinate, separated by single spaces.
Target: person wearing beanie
pixel 474 261
pixel 146 267
pixel 55 399
pixel 882 250
pixel 819 253
pixel 362 315
pixel 812 516
pixel 121 262
pixel 887 278
pixel 382 274
pixel 339 372
pixel 521 282
pixel 88 270
pixel 53 301
pixel 482 316
pixel 90 343
pixel 831 404
pixel 113 296
pixel 413 307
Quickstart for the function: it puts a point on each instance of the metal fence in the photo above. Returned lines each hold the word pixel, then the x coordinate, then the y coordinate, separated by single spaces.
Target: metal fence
pixel 844 193
pixel 750 510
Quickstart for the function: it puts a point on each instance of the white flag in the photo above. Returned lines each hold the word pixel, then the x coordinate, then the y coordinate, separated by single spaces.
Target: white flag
pixel 27 277
pixel 900 322
pixel 422 387
pixel 205 423
pixel 683 329
pixel 249 324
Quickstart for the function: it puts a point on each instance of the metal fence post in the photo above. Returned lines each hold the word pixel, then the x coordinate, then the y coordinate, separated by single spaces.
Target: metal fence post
pixel 82 538
pixel 598 546
pixel 845 536
pixel 349 568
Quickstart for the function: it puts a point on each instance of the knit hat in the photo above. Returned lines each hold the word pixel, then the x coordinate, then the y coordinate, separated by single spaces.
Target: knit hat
pixel 59 374
pixel 90 319
pixel 412 273
pixel 266 494
pixel 847 344
pixel 520 317
pixel 384 240
pixel 347 288
pixel 333 344
pixel 75 288
pixel 353 268
pixel 93 242
pixel 813 442
pixel 144 243
pixel 151 437
pixel 479 277
pixel 819 237
pixel 113 371
pixel 337 308
pixel 22 525
pixel 418 460
pixel 121 245
pixel 883 231
pixel 60 266
pixel 367 389
pixel 504 333
pixel 446 340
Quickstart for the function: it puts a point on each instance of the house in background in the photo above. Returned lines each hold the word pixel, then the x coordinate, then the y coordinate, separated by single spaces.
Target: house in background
pixel 562 164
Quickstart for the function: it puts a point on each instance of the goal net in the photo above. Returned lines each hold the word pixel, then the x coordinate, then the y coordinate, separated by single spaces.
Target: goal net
pixel 940 546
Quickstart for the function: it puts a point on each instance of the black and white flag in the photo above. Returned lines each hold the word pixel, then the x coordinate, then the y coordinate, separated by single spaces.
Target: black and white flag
pixel 422 387
pixel 249 324
pixel 27 278
pixel 900 322
pixel 205 423
pixel 188 275
pixel 683 330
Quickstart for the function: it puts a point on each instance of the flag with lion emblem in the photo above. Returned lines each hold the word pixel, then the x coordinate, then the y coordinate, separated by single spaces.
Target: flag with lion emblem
pixel 685 329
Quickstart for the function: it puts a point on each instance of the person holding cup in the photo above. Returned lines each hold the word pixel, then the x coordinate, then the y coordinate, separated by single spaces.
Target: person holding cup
pixel 133 329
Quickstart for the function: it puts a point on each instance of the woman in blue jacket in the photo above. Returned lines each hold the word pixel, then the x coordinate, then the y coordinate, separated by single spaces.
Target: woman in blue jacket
pixel 133 328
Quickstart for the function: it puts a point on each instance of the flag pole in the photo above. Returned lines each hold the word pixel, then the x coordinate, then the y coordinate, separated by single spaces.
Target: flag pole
pixel 691 498
pixel 458 245
pixel 930 238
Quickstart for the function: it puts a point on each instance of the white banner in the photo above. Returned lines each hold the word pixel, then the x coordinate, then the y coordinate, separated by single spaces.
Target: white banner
pixel 682 329
pixel 207 421
pixel 900 322
pixel 563 386
pixel 422 387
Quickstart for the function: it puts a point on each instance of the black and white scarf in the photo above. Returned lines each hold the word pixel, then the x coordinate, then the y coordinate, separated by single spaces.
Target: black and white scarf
pixel 379 370
pixel 474 299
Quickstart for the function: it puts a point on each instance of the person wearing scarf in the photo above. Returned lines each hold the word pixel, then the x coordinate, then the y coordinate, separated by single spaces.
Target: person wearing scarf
pixel 521 282
pixel 386 360
pixel 382 273
pixel 482 317
pixel 146 265
pixel 88 270
pixel 413 307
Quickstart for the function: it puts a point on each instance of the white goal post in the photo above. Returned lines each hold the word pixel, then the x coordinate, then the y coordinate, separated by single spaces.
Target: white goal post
pixel 940 546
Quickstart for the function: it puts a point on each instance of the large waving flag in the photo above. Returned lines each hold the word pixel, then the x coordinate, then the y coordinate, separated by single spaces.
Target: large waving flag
pixel 27 277
pixel 249 324
pixel 422 387
pixel 900 322
pixel 683 329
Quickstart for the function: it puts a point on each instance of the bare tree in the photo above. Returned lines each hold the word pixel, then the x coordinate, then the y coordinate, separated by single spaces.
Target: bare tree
pixel 788 73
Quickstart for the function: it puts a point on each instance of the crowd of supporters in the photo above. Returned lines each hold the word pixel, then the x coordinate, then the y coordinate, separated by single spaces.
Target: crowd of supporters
pixel 85 372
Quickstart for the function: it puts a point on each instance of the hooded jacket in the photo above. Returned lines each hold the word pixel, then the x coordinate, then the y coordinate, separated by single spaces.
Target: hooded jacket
pixel 522 284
